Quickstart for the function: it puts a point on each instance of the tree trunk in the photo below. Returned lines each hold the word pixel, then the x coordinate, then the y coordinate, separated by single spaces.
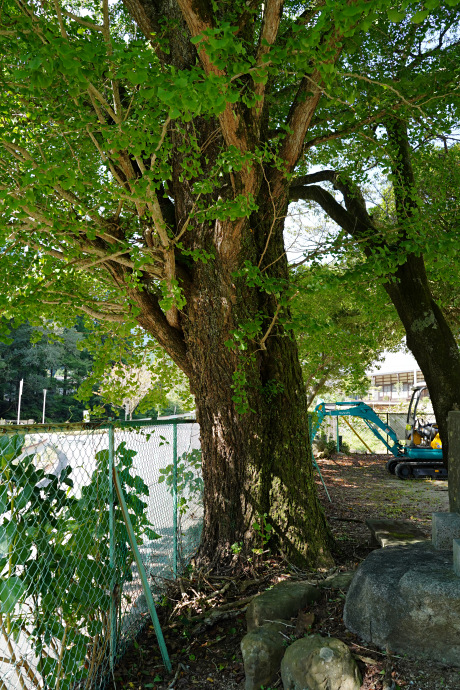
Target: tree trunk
pixel 428 335
pixel 257 462
pixel 429 338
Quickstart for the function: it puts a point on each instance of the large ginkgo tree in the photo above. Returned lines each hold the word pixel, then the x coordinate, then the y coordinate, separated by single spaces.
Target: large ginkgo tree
pixel 147 152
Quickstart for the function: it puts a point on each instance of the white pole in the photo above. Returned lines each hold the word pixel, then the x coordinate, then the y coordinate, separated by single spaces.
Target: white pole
pixel 44 403
pixel 21 383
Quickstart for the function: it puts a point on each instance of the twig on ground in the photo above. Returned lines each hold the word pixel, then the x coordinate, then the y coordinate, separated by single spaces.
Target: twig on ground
pixel 213 618
pixel 180 667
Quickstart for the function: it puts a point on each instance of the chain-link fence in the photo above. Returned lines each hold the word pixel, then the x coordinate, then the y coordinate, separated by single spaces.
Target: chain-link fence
pixel 88 515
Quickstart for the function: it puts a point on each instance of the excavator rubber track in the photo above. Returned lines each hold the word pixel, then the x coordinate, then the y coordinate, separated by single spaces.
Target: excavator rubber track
pixel 412 470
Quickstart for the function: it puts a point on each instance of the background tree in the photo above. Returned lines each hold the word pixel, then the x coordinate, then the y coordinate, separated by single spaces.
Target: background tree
pixel 409 66
pixel 147 159
pixel 44 358
pixel 342 327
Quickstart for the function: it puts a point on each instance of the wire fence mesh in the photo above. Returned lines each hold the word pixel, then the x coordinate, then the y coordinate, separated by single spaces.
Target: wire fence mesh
pixel 71 596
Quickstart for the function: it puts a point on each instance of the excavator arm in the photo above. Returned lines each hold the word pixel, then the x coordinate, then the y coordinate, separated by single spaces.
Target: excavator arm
pixel 382 431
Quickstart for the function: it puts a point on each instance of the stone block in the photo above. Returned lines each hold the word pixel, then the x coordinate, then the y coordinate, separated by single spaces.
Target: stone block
pixel 317 663
pixel 454 460
pixel 388 532
pixel 456 544
pixel 281 602
pixel 444 528
pixel 339 581
pixel 262 651
pixel 407 598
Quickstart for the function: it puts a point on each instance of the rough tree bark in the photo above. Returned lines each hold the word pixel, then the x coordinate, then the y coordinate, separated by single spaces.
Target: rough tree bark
pixel 430 339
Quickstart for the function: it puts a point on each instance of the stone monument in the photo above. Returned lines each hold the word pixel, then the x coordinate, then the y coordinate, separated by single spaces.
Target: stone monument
pixel 406 598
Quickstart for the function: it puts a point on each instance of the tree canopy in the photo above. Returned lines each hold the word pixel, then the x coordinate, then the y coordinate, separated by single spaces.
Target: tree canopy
pixel 342 327
pixel 149 154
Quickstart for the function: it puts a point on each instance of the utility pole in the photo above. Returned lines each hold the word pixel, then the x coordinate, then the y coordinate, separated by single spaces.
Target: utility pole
pixel 44 404
pixel 21 383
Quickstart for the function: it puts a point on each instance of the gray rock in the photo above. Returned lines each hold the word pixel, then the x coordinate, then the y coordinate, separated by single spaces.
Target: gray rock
pixel 444 528
pixel 456 555
pixel 454 460
pixel 340 581
pixel 386 532
pixel 262 652
pixel 317 663
pixel 281 602
pixel 407 598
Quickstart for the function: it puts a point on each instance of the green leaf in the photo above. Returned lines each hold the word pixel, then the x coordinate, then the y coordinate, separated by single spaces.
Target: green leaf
pixel 11 591
pixel 420 16
pixel 4 540
pixel 4 500
pixel 395 16
pixel 22 500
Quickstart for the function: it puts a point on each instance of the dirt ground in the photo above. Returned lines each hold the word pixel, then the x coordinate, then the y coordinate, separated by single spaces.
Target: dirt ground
pixel 209 657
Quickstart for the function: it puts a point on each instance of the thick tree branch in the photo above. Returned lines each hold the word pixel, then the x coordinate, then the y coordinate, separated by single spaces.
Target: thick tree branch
pixel 299 119
pixel 99 315
pixel 83 22
pixel 313 392
pixel 270 26
pixel 353 198
pixel 234 130
pixel 304 106
pixel 351 224
pixel 153 319
pixel 313 178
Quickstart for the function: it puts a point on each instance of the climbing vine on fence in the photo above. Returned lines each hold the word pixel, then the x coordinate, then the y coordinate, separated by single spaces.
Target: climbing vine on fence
pixel 58 574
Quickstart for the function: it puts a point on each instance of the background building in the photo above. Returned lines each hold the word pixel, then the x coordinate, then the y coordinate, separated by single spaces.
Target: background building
pixel 392 380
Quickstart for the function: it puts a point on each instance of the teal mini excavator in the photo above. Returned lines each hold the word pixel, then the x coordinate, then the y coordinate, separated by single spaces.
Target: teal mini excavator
pixel 421 456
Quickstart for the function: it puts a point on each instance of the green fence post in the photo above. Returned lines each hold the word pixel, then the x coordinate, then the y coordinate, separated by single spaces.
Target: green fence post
pixel 175 540
pixel 142 572
pixel 113 612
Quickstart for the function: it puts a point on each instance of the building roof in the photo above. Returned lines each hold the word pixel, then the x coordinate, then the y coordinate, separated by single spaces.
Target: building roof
pixel 394 363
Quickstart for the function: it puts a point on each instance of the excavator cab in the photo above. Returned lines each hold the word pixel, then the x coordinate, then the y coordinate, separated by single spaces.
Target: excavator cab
pixel 422 454
pixel 419 432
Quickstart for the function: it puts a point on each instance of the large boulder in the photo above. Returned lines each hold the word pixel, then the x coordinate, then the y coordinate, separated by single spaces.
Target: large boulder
pixel 262 651
pixel 317 663
pixel 281 602
pixel 407 598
